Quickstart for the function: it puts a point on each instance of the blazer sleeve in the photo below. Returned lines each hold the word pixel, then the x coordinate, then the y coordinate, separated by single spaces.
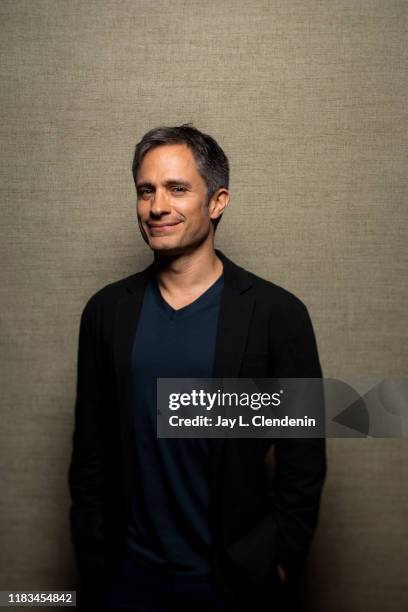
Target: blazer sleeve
pixel 300 463
pixel 87 470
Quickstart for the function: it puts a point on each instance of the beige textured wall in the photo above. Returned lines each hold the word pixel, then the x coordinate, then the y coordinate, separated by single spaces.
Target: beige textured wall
pixel 308 98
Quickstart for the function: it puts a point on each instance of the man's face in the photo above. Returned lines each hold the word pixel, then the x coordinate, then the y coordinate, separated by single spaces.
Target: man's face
pixel 172 205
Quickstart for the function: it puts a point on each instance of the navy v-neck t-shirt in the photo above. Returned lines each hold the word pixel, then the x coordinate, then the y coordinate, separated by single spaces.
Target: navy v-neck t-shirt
pixel 169 526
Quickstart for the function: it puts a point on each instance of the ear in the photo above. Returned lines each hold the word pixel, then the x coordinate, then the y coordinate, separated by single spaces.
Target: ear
pixel 218 203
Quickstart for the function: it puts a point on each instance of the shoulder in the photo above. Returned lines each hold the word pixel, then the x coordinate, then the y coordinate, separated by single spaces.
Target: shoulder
pixel 107 296
pixel 272 294
pixel 277 297
pixel 278 304
pixel 292 338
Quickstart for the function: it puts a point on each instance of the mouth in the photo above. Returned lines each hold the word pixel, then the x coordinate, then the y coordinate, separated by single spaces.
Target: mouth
pixel 161 228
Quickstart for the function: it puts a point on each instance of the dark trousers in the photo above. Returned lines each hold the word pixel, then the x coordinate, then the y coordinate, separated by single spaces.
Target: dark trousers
pixel 139 589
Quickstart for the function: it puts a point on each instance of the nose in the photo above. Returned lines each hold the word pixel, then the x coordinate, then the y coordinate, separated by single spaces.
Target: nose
pixel 159 204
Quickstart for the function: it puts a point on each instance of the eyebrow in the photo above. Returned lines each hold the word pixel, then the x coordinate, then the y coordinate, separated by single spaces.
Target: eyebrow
pixel 168 183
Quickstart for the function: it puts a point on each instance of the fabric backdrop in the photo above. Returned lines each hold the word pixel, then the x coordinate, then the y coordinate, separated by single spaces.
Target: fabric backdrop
pixel 308 99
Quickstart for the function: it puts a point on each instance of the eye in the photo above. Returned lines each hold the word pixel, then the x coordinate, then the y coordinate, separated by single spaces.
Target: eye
pixel 179 189
pixel 145 191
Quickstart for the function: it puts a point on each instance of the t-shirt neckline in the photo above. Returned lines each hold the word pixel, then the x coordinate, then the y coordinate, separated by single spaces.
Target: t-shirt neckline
pixel 201 301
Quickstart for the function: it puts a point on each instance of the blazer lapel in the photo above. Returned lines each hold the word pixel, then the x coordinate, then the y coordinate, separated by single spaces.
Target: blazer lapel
pixel 237 305
pixel 126 319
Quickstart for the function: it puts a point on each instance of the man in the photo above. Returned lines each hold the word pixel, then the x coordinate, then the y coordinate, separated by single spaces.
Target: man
pixel 161 524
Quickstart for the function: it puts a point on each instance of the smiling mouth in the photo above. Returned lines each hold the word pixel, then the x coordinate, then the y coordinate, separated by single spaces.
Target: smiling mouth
pixel 160 228
pixel 159 225
pixel 155 225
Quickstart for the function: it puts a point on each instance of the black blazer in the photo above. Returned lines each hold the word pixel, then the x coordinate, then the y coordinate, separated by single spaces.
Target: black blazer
pixel 257 520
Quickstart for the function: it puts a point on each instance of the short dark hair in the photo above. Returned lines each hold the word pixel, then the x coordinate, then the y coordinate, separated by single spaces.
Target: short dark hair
pixel 212 163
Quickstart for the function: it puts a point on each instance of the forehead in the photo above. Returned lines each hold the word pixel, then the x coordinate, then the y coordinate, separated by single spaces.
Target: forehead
pixel 175 159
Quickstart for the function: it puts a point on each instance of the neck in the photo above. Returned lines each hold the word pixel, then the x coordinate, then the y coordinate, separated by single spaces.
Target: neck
pixel 188 272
